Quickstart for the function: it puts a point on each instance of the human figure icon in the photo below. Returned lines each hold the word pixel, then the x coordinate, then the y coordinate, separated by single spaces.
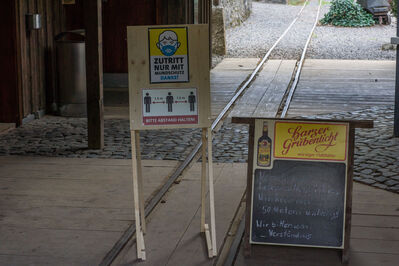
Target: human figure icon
pixel 168 42
pixel 192 100
pixel 169 101
pixel 147 102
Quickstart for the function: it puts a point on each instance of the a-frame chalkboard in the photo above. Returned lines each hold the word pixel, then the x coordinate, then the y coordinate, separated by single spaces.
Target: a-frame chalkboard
pixel 302 196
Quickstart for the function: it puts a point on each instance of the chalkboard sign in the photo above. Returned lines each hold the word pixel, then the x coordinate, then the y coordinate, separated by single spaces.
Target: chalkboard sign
pixel 299 185
pixel 299 203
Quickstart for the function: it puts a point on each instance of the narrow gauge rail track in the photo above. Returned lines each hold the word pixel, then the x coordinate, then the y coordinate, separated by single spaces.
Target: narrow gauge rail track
pixel 129 233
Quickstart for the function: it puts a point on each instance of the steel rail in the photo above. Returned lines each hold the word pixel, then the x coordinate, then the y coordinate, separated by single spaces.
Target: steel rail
pixel 129 233
pixel 240 232
pixel 300 65
pixel 255 72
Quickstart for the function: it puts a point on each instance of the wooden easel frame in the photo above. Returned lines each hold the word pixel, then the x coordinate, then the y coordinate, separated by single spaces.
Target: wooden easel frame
pixel 139 61
pixel 139 210
pixel 349 185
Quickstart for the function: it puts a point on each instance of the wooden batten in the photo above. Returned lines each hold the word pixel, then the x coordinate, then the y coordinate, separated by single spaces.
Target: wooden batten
pixel 94 74
pixel 35 51
pixel 8 67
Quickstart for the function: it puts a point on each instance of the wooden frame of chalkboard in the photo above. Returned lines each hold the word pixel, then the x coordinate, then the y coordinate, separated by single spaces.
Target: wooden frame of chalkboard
pixel 320 215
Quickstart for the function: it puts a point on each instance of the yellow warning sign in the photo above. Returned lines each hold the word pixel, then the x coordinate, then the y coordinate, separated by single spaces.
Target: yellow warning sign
pixel 312 141
pixel 168 49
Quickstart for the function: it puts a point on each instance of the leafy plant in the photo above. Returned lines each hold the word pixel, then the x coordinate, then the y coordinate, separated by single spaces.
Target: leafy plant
pixel 394 7
pixel 347 13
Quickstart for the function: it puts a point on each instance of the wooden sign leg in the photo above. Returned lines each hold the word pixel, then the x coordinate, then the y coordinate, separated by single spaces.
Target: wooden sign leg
pixel 139 233
pixel 349 191
pixel 211 193
pixel 140 181
pixel 247 245
pixel 203 179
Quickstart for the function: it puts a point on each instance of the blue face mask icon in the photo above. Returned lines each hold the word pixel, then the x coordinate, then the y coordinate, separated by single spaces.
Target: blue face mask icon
pixel 168 50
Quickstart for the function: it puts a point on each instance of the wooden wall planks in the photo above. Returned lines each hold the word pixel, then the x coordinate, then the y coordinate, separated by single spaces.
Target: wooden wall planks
pixel 9 112
pixel 29 56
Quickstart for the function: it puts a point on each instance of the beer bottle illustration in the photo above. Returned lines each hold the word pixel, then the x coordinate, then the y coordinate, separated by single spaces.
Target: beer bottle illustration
pixel 264 148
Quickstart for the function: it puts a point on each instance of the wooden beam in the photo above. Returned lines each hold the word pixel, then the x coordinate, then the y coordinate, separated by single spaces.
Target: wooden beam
pixel 203 179
pixel 354 123
pixel 94 73
pixel 247 245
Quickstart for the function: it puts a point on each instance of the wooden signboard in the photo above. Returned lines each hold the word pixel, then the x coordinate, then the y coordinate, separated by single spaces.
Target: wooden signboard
pixel 169 87
pixel 169 83
pixel 299 183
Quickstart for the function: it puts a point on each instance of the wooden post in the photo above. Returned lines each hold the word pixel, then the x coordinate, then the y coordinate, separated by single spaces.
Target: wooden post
pixel 94 73
pixel 251 134
pixel 203 179
pixel 211 193
pixel 140 181
pixel 349 189
pixel 139 233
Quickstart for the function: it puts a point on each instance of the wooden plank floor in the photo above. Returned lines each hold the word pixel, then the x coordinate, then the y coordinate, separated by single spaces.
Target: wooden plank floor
pixel 374 238
pixel 328 86
pixel 226 78
pixel 173 231
pixel 58 211
pixel 264 96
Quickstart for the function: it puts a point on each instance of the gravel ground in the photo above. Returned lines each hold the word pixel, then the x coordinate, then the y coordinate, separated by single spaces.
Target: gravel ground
pixel 267 21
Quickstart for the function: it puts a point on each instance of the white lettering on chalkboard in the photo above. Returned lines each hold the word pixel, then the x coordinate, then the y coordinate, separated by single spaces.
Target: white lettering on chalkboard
pixel 288 234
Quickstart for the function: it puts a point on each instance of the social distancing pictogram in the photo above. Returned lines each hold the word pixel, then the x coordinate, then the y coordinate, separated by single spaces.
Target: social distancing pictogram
pixel 170 106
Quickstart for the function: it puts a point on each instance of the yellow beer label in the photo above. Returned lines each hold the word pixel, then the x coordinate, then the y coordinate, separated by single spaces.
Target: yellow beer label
pixel 264 153
pixel 312 141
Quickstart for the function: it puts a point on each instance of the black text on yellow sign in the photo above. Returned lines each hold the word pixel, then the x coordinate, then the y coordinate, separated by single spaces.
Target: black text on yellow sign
pixel 168 48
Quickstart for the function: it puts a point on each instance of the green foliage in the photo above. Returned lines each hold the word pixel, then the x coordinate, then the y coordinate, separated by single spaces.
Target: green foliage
pixel 296 2
pixel 394 7
pixel 347 13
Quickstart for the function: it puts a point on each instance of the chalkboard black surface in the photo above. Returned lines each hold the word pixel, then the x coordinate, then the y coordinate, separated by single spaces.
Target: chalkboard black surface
pixel 299 203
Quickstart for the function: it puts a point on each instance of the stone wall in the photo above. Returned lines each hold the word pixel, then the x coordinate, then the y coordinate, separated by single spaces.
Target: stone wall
pixel 273 1
pixel 227 14
pixel 235 11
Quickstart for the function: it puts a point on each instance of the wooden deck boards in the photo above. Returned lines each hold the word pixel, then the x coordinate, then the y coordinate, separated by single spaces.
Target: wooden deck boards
pixel 226 78
pixel 264 96
pixel 173 236
pixel 76 209
pixel 58 211
pixel 328 86
pixel 374 237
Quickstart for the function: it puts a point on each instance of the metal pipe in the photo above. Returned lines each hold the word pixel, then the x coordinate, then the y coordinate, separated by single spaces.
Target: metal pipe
pixel 396 108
